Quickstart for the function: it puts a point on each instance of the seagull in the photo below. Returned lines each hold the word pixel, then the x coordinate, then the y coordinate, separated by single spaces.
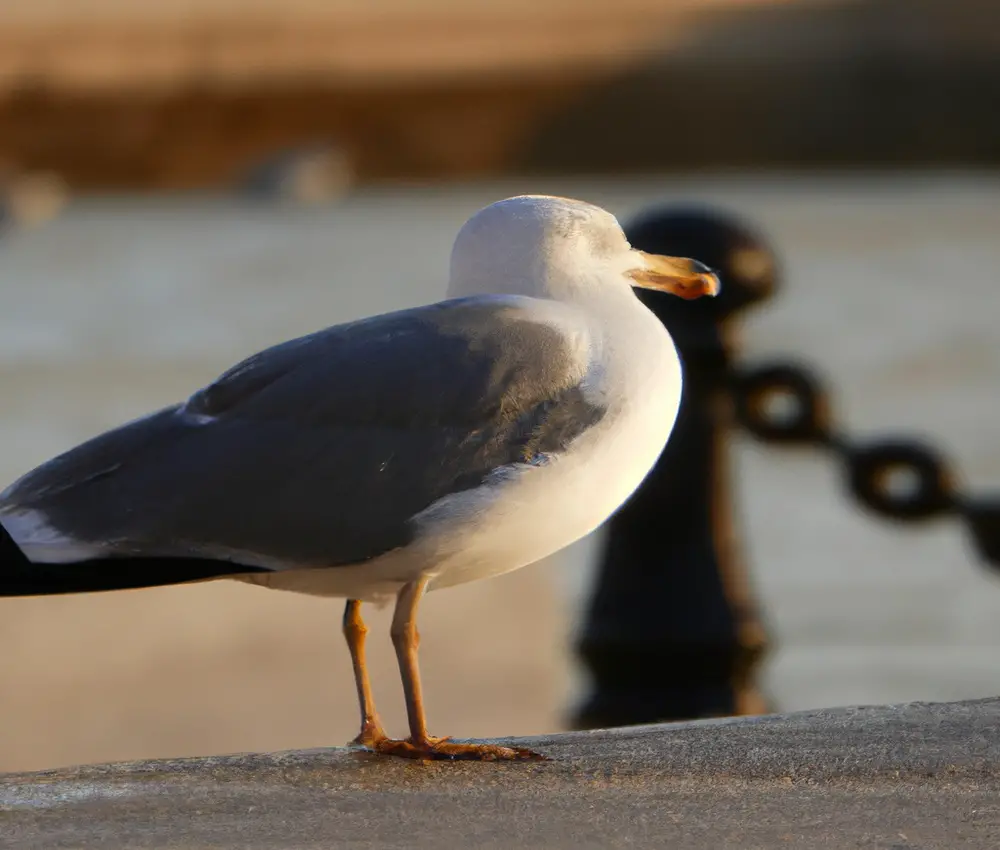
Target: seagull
pixel 384 457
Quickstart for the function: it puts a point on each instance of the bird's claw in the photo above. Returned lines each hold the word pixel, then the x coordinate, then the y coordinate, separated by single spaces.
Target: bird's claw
pixel 445 749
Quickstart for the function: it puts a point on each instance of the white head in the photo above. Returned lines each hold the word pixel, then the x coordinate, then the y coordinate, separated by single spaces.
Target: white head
pixel 549 247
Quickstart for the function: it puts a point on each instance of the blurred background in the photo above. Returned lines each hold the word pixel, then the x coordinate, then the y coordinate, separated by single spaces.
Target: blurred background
pixel 183 184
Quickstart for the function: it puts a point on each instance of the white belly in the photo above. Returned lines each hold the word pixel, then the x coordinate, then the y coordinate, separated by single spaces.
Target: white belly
pixel 496 529
pixel 542 510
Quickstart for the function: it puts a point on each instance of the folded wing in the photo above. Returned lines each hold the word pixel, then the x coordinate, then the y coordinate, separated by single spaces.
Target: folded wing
pixel 320 451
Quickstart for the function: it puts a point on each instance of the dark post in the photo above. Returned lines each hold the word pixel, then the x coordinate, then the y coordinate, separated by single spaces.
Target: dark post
pixel 672 631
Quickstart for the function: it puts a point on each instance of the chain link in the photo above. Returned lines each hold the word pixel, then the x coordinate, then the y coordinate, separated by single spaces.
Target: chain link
pixel 896 478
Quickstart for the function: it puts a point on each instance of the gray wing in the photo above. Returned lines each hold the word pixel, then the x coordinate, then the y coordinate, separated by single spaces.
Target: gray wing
pixel 321 450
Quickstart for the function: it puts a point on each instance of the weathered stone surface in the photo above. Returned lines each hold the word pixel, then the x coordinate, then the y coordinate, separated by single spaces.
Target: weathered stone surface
pixel 912 776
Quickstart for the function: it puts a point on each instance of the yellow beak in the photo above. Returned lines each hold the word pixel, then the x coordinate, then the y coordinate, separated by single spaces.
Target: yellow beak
pixel 677 275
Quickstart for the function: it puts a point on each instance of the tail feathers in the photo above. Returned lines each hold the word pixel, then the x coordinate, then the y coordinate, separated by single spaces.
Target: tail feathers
pixel 22 577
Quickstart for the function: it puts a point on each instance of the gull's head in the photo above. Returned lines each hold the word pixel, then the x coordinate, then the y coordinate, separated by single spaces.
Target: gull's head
pixel 550 247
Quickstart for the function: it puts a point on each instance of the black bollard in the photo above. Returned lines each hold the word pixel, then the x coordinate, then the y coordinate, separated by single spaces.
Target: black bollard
pixel 672 630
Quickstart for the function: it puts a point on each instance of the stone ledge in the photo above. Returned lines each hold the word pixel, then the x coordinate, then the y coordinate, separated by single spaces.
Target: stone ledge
pixel 910 776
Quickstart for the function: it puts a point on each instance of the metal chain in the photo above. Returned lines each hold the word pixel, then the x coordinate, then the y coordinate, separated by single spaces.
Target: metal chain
pixel 803 418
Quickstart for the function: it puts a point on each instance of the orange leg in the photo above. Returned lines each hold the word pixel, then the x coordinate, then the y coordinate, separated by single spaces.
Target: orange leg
pixel 355 632
pixel 420 745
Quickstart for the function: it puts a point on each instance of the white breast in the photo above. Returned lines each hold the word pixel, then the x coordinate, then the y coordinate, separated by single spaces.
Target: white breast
pixel 540 510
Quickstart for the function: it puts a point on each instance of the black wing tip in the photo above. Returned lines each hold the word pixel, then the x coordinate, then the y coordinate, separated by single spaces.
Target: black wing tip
pixel 11 556
pixel 21 577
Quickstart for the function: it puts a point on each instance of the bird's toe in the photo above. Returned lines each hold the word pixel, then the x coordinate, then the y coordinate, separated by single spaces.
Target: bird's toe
pixel 444 749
